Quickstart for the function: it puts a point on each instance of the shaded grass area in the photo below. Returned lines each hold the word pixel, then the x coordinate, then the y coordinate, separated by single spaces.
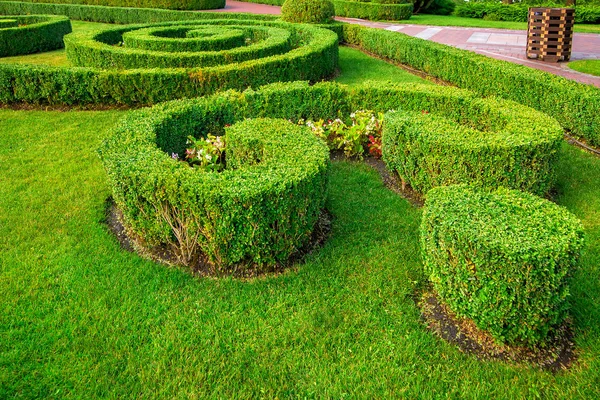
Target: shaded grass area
pixel 82 318
pixel 451 20
pixel 356 67
pixel 591 67
pixel 57 58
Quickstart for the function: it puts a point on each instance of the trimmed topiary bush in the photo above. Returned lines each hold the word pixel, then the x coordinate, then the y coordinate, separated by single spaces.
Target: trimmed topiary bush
pixel 143 176
pixel 395 11
pixel 308 11
pixel 27 34
pixel 113 74
pixel 489 142
pixel 258 211
pixel 502 258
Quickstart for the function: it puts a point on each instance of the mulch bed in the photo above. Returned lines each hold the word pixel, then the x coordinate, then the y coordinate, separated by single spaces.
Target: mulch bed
pixel 558 353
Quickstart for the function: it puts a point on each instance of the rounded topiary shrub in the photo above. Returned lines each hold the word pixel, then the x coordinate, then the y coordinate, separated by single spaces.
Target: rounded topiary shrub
pixel 308 11
pixel 254 214
pixel 502 258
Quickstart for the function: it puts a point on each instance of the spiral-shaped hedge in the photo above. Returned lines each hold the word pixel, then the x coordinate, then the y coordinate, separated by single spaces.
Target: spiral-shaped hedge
pixel 145 179
pixel 146 64
pixel 27 34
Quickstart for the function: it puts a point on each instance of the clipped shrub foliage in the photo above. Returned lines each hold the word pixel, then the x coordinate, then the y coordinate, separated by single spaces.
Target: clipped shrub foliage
pixel 573 104
pixel 108 73
pixel 488 142
pixel 584 14
pixel 308 11
pixel 502 258
pixel 386 11
pixel 168 4
pixel 27 34
pixel 146 181
pixel 258 211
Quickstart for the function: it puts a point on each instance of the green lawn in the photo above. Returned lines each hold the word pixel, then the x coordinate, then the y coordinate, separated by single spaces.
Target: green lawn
pixel 451 20
pixel 586 66
pixel 81 318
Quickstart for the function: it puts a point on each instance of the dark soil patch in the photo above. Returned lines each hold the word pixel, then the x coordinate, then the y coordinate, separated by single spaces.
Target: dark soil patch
pixel 582 144
pixel 200 265
pixel 557 354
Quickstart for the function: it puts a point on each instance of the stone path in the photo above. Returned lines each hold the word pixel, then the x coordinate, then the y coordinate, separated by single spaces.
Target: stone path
pixel 508 45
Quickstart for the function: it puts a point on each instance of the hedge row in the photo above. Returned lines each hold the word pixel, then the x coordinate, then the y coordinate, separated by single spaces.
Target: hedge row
pixel 184 39
pixel 502 258
pixel 146 181
pixel 392 10
pixel 8 23
pixel 574 105
pixel 100 49
pixel 32 34
pixel 257 212
pixel 120 15
pixel 488 142
pixel 315 59
pixel 372 11
pixel 165 4
pixel 588 14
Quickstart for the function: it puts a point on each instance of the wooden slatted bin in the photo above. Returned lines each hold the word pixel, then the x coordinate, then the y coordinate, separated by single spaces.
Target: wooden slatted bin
pixel 550 33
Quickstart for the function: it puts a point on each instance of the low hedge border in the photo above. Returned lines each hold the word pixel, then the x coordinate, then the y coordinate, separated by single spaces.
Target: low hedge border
pixel 502 258
pixel 587 14
pixel 184 39
pixel 100 49
pixel 489 142
pixel 315 60
pixel 8 23
pixel 32 34
pixel 373 11
pixel 151 135
pixel 573 104
pixel 161 4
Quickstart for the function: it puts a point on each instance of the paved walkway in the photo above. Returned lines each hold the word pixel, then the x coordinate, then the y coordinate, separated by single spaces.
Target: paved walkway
pixel 508 45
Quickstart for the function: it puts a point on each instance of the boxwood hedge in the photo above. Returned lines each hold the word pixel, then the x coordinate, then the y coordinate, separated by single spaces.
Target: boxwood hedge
pixel 26 34
pixel 257 212
pixel 168 4
pixel 145 179
pixel 489 142
pixel 502 258
pixel 313 56
pixel 573 104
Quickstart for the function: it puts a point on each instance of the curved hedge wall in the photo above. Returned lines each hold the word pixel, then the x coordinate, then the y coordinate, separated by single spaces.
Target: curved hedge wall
pixel 502 258
pixel 258 211
pixel 143 176
pixel 489 142
pixel 27 34
pixel 103 50
pixel 166 4
pixel 308 11
pixel 573 104
pixel 312 56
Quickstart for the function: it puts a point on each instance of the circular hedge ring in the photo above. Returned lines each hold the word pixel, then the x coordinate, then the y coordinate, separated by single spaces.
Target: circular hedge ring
pixel 147 182
pixel 186 39
pixel 27 34
pixel 502 258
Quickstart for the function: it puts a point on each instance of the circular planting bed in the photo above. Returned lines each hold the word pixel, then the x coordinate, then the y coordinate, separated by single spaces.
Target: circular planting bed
pixel 255 212
pixel 27 34
pixel 145 64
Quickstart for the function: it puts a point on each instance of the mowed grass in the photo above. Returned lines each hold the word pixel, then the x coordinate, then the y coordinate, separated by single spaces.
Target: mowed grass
pixel 591 67
pixel 81 318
